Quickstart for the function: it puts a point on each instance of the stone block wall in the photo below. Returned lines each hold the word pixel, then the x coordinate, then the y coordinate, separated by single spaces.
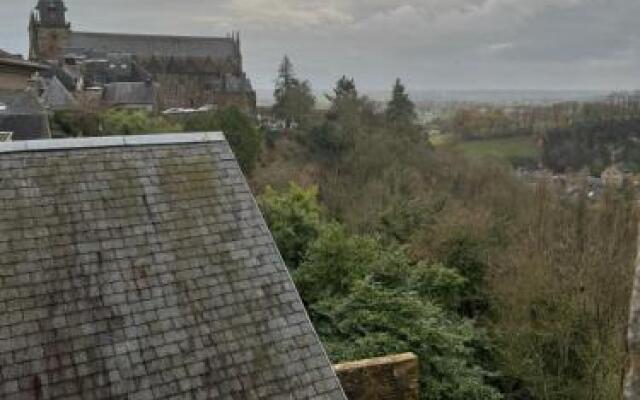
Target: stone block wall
pixel 394 377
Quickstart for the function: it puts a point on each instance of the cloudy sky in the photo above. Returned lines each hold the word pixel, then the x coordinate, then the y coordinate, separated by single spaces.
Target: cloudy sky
pixel 431 44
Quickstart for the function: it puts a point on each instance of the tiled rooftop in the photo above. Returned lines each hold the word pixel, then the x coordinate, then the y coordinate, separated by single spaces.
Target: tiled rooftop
pixel 141 268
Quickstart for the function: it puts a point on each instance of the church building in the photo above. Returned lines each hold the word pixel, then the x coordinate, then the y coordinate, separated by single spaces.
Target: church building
pixel 189 71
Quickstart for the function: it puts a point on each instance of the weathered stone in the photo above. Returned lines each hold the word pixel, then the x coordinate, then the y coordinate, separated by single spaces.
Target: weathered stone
pixel 386 378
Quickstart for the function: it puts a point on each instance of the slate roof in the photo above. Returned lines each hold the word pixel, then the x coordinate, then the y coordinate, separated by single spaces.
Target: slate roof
pixel 56 96
pixel 154 45
pixel 22 114
pixel 130 93
pixel 20 102
pixel 140 268
pixel 14 62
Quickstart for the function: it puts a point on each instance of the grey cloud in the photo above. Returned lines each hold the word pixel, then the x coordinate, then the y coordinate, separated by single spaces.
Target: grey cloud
pixel 430 43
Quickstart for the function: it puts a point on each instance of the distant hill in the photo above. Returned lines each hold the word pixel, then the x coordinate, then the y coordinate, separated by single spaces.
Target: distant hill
pixel 265 96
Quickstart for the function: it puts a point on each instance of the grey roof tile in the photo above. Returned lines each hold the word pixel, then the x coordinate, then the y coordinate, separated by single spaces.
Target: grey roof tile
pixel 141 268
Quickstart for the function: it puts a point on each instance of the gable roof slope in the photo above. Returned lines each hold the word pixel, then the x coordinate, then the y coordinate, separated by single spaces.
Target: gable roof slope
pixel 56 96
pixel 141 268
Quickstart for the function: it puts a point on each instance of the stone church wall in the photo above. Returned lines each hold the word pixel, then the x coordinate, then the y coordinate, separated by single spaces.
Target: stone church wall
pixel 195 90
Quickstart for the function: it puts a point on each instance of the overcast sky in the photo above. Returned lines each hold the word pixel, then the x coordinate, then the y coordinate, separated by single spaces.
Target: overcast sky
pixel 431 44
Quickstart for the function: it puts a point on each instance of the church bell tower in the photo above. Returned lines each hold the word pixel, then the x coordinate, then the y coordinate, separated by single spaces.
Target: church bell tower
pixel 52 13
pixel 48 30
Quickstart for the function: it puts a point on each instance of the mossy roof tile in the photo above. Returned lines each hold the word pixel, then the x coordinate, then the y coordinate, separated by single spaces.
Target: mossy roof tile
pixel 141 267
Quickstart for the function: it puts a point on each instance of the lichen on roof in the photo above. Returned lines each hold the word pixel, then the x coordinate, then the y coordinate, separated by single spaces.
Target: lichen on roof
pixel 141 268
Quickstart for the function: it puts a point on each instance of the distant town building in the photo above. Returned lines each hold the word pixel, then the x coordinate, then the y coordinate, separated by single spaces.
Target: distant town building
pixel 190 71
pixel 613 176
pixel 15 73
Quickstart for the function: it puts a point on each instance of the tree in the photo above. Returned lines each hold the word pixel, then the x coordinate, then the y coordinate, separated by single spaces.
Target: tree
pixel 294 98
pixel 240 130
pixel 367 300
pixel 345 89
pixel 400 109
pixel 294 219
pixel 286 75
pixel 348 117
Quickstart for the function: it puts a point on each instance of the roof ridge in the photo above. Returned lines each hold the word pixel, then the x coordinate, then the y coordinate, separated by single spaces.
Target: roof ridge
pixel 22 63
pixel 153 35
pixel 110 141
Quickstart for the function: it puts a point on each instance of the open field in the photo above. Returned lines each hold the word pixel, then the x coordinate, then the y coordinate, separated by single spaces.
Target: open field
pixel 519 147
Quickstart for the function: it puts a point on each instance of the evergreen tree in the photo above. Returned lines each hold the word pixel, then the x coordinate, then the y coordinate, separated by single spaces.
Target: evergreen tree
pixel 345 88
pixel 294 99
pixel 344 121
pixel 400 110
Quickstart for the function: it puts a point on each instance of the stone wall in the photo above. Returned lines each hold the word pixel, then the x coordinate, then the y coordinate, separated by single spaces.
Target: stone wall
pixel 14 79
pixel 50 43
pixel 387 378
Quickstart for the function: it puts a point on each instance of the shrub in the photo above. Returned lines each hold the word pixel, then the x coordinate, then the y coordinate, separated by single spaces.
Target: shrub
pixel 294 219
pixel 131 122
pixel 240 130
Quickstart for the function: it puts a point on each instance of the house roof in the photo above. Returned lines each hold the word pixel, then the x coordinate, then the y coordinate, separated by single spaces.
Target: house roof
pixel 154 45
pixel 56 96
pixel 141 268
pixel 19 102
pixel 20 63
pixel 22 114
pixel 122 93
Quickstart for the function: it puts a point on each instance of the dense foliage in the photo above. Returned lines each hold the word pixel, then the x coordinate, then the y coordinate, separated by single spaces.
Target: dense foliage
pixel 240 129
pixel 501 289
pixel 129 122
pixel 368 299
pixel 294 220
pixel 594 145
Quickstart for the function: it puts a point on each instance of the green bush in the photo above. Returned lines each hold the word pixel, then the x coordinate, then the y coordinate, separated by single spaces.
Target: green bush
pixel 373 320
pixel 130 122
pixel 240 130
pixel 75 124
pixel 367 300
pixel 294 219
